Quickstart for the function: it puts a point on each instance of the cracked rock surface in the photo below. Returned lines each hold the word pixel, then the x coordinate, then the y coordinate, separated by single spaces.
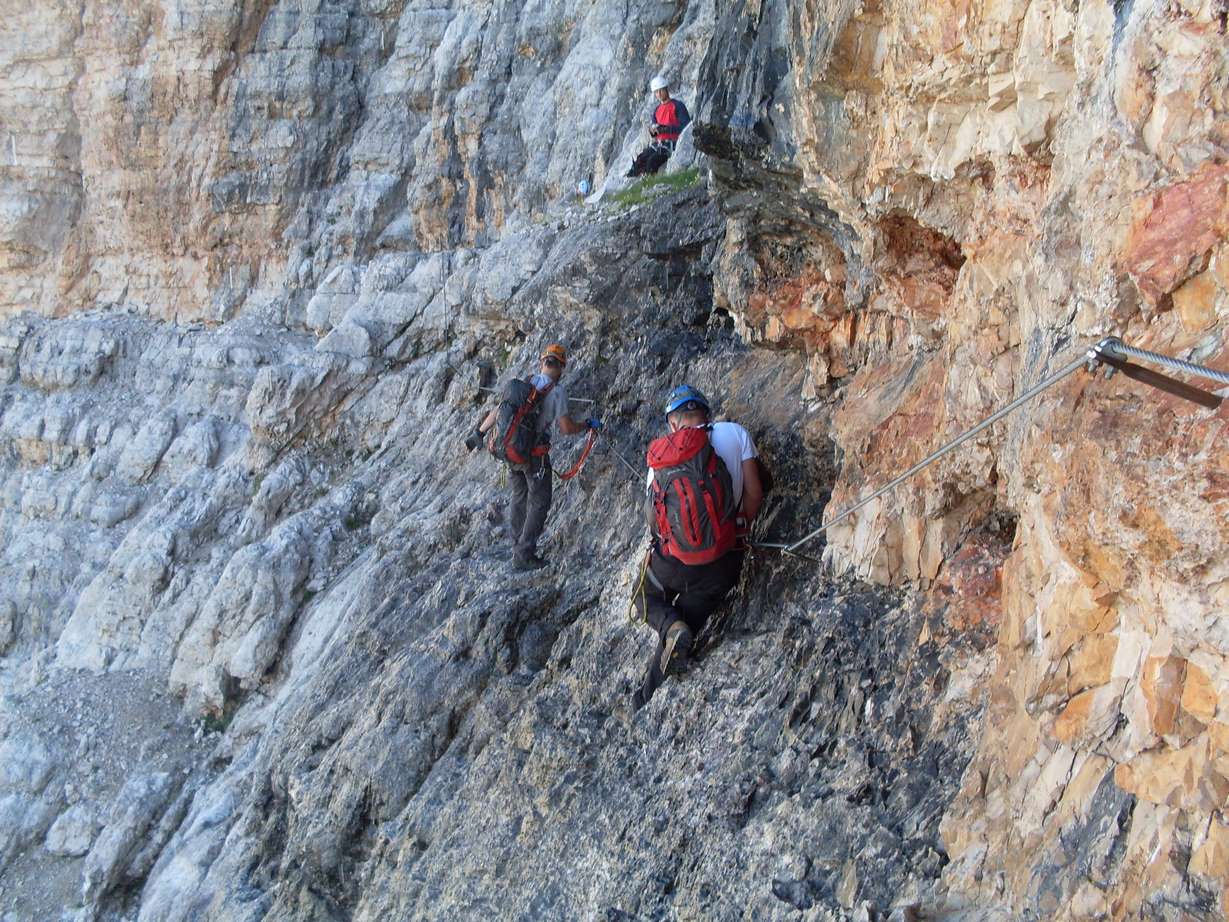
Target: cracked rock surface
pixel 399 725
pixel 262 654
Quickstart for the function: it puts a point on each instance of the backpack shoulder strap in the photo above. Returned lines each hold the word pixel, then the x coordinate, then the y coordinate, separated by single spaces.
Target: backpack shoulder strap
pixel 535 395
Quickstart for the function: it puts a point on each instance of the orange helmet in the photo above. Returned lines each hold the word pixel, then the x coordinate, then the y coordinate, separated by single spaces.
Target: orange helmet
pixel 556 351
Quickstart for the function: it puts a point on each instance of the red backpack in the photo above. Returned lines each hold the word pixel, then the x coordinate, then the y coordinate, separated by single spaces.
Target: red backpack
pixel 691 505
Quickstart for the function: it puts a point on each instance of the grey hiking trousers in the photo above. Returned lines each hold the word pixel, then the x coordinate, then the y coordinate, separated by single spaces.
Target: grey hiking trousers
pixel 531 486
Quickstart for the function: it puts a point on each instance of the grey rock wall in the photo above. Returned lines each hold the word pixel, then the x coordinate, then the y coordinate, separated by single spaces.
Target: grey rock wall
pixel 288 137
pixel 262 656
pixel 288 535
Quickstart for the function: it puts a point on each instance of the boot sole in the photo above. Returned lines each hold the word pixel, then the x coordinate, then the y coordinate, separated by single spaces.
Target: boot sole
pixel 674 660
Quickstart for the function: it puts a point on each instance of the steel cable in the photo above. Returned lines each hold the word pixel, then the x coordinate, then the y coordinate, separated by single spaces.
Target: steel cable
pixel 1045 384
pixel 1110 347
pixel 1116 348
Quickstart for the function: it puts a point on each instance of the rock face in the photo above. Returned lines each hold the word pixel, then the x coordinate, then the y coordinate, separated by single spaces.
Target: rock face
pixel 261 654
pixel 969 219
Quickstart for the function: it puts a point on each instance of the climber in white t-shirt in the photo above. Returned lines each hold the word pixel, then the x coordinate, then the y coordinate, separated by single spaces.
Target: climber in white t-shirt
pixel 703 492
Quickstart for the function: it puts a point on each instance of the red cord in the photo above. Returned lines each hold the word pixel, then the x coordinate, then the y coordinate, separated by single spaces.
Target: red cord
pixel 584 456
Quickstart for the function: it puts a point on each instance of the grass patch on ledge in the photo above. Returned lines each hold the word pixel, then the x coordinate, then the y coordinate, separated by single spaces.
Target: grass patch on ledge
pixel 652 186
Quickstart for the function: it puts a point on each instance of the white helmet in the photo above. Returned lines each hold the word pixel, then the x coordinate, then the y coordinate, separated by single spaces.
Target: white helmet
pixel 658 83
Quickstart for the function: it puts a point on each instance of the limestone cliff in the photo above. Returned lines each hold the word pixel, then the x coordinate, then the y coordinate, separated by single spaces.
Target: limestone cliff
pixel 261 656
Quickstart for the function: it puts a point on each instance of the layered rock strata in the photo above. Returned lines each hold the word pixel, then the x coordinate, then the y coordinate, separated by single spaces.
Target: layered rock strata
pixel 257 261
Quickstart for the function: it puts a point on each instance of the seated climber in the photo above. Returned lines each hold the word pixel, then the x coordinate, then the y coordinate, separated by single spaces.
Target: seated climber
pixel 520 430
pixel 669 119
pixel 704 491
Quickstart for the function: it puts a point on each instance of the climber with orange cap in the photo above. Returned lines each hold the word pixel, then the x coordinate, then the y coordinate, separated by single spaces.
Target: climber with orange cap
pixel 669 119
pixel 519 432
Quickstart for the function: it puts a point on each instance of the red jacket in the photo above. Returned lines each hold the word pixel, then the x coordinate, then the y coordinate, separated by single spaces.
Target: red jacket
pixel 670 118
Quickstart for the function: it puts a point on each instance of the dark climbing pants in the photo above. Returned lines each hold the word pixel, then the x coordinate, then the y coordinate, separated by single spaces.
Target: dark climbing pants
pixel 651 159
pixel 691 594
pixel 531 486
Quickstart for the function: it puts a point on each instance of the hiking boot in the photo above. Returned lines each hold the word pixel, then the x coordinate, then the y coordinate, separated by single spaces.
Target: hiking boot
pixel 525 564
pixel 677 649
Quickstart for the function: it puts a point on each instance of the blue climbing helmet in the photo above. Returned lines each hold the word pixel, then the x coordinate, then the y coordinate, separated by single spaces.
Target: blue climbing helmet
pixel 683 395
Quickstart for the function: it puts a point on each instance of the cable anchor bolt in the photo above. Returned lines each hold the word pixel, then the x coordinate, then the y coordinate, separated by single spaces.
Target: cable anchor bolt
pixel 1097 355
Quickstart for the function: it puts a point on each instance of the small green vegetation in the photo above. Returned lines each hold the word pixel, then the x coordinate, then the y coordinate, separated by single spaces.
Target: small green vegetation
pixel 652 186
pixel 359 517
pixel 214 721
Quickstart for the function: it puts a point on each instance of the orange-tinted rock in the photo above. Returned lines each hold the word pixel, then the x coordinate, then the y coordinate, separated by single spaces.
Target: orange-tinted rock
pixel 1161 684
pixel 918 267
pixel 1100 212
pixel 1218 736
pixel 1091 662
pixel 1195 302
pixel 1159 541
pixel 1089 717
pixel 1220 267
pixel 1165 776
pixel 1198 694
pixel 1071 721
pixel 970 585
pixel 1173 230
